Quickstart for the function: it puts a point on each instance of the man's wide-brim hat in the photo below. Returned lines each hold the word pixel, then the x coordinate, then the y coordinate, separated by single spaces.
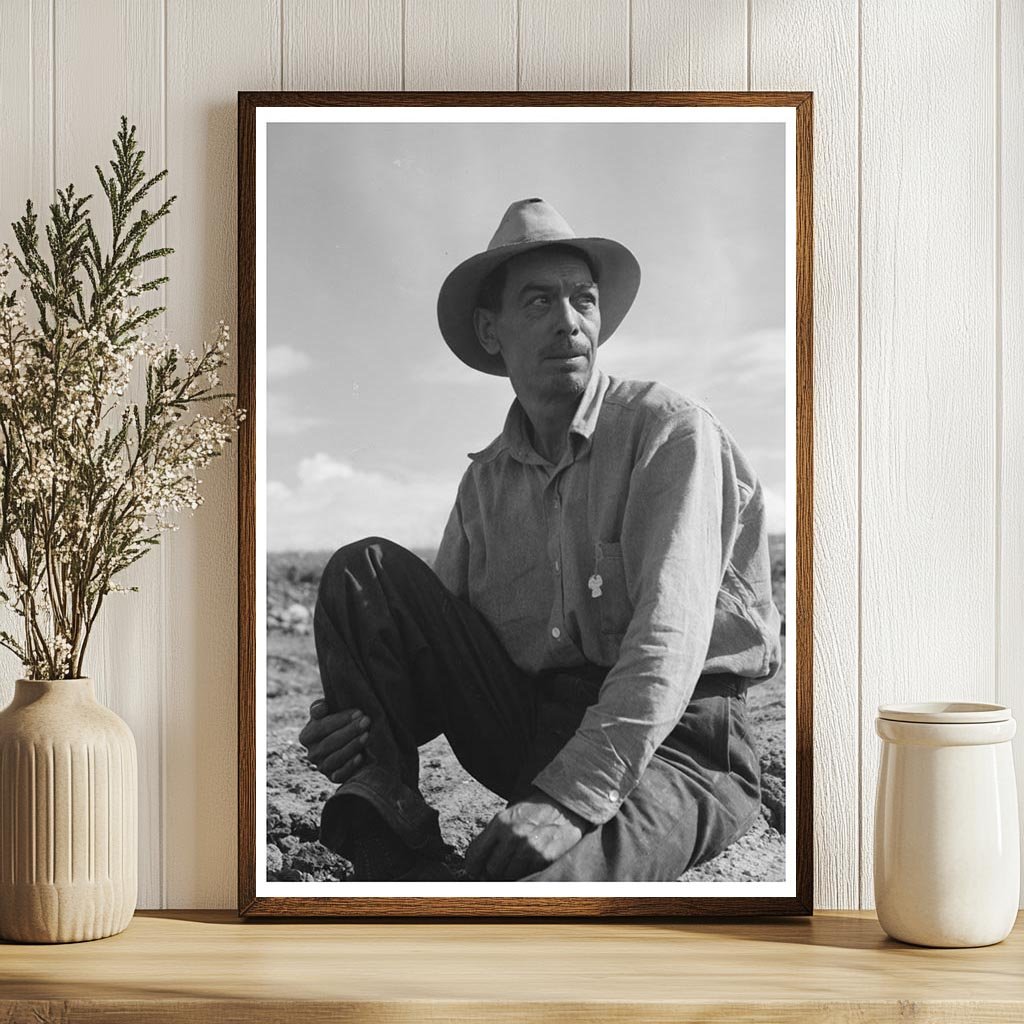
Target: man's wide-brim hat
pixel 531 224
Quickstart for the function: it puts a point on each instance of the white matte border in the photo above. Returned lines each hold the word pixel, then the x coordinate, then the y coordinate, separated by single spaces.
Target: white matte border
pixel 487 890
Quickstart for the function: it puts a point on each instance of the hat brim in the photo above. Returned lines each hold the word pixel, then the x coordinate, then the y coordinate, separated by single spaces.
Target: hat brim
pixel 618 275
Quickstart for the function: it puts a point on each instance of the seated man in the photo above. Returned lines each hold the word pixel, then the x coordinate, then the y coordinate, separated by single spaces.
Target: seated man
pixel 600 602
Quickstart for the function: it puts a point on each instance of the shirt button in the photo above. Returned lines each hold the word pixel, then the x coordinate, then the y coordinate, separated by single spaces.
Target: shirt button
pixel 613 795
pixel 558 567
pixel 556 632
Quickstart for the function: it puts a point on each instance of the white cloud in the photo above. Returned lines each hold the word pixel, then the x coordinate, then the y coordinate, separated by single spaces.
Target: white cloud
pixel 696 367
pixel 277 491
pixel 285 361
pixel 335 503
pixel 321 469
pixel 284 421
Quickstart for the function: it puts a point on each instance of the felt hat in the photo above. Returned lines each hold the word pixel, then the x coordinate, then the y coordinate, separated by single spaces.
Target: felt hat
pixel 531 224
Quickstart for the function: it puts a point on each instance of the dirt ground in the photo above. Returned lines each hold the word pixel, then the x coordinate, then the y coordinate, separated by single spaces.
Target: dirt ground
pixel 296 791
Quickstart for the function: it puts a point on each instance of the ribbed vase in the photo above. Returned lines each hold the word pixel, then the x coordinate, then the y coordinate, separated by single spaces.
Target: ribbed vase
pixel 68 815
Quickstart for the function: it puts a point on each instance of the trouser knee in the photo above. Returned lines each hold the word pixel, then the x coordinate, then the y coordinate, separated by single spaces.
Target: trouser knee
pixel 363 559
pixel 352 555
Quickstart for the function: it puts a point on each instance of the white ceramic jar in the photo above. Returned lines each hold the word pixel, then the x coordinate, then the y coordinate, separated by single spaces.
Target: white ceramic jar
pixel 947 846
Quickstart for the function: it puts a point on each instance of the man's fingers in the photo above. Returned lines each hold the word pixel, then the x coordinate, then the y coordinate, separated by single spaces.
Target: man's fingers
pixel 310 731
pixel 346 771
pixel 341 757
pixel 313 729
pixel 317 729
pixel 336 740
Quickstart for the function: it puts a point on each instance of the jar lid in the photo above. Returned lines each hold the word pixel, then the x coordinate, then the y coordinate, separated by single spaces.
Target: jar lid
pixel 945 713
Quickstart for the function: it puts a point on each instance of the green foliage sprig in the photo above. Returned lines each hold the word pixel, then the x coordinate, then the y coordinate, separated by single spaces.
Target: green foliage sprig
pixel 88 477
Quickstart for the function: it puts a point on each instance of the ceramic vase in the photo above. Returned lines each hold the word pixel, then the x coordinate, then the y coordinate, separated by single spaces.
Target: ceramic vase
pixel 947 846
pixel 68 815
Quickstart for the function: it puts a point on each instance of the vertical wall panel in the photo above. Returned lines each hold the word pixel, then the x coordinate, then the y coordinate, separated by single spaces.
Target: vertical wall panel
pixel 122 657
pixel 1011 252
pixel 466 45
pixel 689 44
pixel 213 51
pixel 26 69
pixel 574 44
pixel 814 46
pixel 26 169
pixel 928 370
pixel 342 44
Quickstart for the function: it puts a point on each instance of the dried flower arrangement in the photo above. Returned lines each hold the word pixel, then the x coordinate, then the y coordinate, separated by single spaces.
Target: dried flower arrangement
pixel 89 478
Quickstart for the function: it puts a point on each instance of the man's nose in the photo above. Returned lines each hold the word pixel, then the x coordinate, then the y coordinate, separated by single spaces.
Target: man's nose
pixel 568 319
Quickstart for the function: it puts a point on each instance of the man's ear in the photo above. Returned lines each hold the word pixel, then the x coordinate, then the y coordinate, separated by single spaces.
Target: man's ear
pixel 483 321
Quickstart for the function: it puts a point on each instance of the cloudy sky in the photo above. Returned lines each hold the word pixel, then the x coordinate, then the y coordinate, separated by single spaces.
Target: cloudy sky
pixel 369 414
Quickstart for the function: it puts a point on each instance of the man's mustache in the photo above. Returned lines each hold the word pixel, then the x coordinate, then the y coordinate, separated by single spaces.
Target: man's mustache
pixel 565 353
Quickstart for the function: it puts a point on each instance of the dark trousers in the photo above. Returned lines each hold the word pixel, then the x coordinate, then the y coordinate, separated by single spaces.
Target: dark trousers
pixel 392 641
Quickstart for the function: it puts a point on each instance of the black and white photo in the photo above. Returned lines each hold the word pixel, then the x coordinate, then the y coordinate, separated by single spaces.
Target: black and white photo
pixel 525 496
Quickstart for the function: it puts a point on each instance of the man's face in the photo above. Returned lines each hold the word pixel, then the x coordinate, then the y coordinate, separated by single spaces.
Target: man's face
pixel 548 326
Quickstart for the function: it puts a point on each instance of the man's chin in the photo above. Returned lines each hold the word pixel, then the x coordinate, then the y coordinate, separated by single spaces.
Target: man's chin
pixel 568 378
pixel 567 385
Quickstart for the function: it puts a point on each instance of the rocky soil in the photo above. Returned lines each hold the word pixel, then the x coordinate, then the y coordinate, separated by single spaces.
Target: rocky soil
pixel 296 791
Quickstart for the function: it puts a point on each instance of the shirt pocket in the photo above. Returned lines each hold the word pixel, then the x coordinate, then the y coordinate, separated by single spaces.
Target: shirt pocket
pixel 608 589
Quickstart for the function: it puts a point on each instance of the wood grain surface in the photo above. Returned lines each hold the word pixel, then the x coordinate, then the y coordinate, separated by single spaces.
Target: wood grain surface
pixel 697 44
pixel 574 44
pixel 468 45
pixel 207 966
pixel 342 44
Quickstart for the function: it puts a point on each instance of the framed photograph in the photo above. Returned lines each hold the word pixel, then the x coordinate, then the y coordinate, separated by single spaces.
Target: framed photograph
pixel 525 504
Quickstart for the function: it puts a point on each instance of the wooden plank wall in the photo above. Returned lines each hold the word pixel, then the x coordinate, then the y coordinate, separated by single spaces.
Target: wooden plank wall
pixel 1009 329
pixel 919 300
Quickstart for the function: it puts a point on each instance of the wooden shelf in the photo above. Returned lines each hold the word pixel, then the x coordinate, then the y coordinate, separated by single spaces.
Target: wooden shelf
pixel 208 966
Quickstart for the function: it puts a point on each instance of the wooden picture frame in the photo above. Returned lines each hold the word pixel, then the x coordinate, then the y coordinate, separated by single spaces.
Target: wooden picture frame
pixel 258 897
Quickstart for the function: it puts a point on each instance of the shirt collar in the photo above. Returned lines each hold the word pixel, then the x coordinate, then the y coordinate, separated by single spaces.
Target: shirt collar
pixel 515 438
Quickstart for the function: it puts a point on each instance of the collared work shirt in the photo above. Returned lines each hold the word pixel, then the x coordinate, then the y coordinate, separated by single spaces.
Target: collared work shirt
pixel 643 550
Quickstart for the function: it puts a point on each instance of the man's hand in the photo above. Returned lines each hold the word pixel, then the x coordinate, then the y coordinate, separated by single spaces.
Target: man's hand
pixel 523 838
pixel 334 743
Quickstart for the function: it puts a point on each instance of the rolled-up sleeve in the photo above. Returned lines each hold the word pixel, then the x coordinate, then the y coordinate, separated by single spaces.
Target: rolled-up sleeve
pixel 677 530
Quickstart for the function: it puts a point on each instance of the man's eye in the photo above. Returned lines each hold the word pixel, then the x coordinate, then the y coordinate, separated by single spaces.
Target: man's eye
pixel 539 300
pixel 586 300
